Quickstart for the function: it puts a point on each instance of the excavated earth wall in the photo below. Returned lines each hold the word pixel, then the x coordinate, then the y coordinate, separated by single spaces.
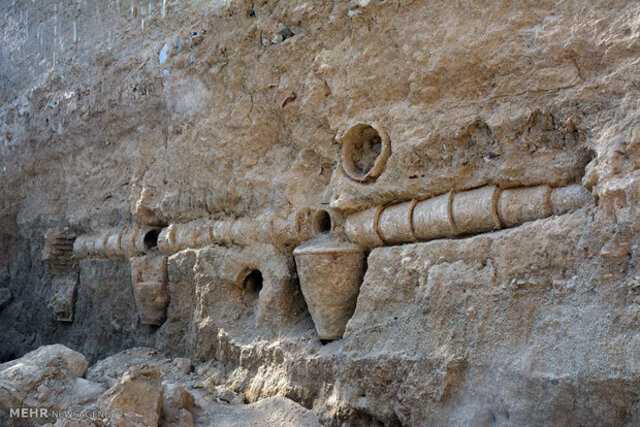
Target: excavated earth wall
pixel 161 161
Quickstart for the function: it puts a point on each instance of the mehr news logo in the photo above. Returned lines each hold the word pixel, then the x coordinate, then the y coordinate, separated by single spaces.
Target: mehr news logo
pixel 28 412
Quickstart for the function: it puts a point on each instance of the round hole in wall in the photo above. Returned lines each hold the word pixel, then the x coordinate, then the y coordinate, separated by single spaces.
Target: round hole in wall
pixel 365 150
pixel 321 222
pixel 253 281
pixel 151 239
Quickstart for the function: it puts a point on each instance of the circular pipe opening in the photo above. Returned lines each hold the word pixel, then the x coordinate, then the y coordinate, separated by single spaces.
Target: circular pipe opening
pixel 253 281
pixel 321 222
pixel 151 239
pixel 365 151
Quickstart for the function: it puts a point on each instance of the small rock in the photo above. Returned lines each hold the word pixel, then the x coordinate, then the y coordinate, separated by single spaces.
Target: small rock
pixel 212 377
pixel 225 394
pixel 282 34
pixel 177 405
pixel 265 41
pixel 175 396
pixel 178 45
pixel 164 53
pixel 87 391
pixel 136 397
pixel 185 419
pixel 53 355
pixel 182 365
pixel 617 247
pixel 239 399
pixel 197 37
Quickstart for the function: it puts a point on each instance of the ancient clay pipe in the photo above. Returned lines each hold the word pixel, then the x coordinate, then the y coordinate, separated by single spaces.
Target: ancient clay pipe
pixel 239 232
pixel 115 244
pixel 453 214
pixel 197 234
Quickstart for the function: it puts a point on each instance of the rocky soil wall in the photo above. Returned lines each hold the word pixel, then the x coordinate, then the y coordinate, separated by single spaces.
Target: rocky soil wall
pixel 237 131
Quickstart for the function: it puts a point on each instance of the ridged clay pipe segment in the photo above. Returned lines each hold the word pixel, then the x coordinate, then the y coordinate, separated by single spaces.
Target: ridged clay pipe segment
pixel 187 236
pixel 395 225
pixel 166 239
pixel 81 247
pixel 112 244
pixel 175 238
pixel 362 228
pixel 432 218
pixel 519 205
pixel 475 211
pixel 569 198
pixel 220 231
pixel 98 246
pixel 468 212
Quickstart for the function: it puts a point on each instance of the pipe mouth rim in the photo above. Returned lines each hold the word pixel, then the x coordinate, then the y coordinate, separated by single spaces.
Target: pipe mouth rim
pixel 353 142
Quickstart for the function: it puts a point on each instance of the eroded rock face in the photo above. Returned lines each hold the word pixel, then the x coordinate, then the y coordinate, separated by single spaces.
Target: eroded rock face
pixel 484 159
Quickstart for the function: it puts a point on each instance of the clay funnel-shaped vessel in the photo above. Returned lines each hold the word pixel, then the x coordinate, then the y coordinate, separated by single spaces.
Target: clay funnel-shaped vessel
pixel 330 272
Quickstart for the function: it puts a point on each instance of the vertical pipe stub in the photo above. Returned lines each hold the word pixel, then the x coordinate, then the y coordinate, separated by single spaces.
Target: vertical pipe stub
pixel 365 150
pixel 330 272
